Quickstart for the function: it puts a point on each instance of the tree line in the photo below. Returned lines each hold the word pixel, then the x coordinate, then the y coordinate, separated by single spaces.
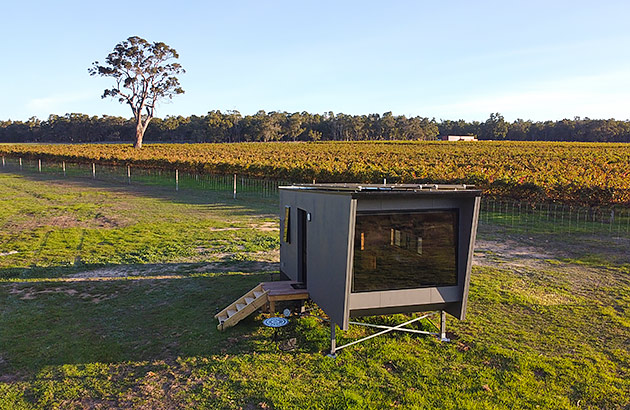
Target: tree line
pixel 231 126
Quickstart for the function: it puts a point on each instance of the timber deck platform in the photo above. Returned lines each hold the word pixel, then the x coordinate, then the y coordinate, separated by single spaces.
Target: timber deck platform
pixel 283 290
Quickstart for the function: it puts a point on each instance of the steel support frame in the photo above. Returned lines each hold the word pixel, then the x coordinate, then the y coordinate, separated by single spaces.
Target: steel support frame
pixel 401 327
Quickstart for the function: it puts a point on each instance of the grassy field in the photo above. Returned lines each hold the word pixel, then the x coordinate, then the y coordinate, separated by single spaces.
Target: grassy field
pixel 107 297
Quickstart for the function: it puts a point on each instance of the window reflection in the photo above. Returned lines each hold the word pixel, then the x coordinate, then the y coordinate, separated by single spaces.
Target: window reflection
pixel 405 251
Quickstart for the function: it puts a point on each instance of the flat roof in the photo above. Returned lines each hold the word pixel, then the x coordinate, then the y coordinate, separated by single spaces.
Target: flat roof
pixel 354 188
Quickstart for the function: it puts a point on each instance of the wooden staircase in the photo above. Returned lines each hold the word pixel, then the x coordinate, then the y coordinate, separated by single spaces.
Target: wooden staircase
pixel 243 307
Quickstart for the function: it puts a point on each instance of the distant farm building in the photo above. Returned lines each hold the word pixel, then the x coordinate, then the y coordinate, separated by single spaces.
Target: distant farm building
pixel 459 138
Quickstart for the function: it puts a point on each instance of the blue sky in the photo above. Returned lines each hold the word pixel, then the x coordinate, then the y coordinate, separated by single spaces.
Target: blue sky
pixel 539 60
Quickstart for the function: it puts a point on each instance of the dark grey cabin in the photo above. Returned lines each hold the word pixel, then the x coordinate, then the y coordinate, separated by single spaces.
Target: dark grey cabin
pixel 379 249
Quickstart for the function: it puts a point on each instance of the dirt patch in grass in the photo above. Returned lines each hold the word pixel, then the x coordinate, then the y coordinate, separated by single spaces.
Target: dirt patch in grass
pixel 237 266
pixel 123 271
pixel 573 266
pixel 266 256
pixel 30 292
pixel 587 247
pixel 263 227
pixel 161 387
pixel 539 251
pixel 500 252
pixel 266 226
pixel 102 221
pixel 258 262
pixel 64 221
pixel 7 376
pixel 12 377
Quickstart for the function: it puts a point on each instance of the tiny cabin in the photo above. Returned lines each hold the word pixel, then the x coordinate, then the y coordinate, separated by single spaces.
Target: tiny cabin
pixel 379 249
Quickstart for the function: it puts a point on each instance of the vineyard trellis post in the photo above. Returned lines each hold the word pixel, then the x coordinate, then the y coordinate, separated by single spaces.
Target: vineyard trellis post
pixel 63 167
pixel 595 220
pixel 528 220
pixel 234 186
pixel 612 219
pixel 39 165
pixel 507 204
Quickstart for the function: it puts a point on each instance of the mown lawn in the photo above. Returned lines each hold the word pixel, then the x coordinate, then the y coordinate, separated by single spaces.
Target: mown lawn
pixel 109 303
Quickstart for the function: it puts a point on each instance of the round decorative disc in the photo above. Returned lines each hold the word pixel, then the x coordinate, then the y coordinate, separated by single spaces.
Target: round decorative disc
pixel 275 322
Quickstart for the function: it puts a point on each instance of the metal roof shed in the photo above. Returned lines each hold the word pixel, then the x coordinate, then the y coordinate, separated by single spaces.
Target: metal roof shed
pixel 379 249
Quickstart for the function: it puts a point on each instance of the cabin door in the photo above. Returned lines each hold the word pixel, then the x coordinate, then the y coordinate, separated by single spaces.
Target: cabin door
pixel 301 245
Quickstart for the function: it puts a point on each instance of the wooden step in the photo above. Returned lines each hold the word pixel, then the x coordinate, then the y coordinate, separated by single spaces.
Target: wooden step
pixel 242 307
pixel 249 297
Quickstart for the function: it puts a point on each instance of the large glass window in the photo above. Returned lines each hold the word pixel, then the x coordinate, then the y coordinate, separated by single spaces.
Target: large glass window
pixel 405 250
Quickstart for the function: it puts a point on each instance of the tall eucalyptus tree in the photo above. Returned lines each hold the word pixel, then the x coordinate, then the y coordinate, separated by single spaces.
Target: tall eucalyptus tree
pixel 144 74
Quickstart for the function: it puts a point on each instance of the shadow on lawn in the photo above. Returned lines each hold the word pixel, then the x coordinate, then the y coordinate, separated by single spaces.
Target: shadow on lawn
pixel 56 321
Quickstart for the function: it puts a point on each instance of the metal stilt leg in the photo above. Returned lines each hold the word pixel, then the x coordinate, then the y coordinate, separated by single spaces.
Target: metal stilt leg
pixel 333 343
pixel 443 337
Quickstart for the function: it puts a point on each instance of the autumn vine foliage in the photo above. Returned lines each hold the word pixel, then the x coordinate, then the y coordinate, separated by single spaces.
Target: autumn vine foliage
pixel 585 173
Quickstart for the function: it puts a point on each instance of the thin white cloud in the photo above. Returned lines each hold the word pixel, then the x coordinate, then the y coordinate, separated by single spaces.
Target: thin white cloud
pixel 604 95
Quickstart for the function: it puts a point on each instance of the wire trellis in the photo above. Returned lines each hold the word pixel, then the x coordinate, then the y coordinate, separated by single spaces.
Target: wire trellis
pixel 519 216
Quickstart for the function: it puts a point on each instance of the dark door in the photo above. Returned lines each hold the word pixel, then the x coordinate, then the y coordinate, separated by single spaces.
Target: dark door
pixel 301 237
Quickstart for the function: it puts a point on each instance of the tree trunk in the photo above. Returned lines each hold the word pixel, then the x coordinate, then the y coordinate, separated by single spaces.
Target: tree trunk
pixel 141 129
pixel 139 135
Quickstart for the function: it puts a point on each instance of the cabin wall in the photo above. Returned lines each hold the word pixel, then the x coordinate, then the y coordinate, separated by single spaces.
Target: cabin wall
pixel 329 251
pixel 469 219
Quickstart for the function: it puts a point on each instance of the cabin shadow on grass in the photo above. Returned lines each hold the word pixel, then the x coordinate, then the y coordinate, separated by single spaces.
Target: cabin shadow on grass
pixel 53 321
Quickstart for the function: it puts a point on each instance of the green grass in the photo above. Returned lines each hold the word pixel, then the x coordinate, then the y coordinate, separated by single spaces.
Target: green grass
pixel 60 228
pixel 109 303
